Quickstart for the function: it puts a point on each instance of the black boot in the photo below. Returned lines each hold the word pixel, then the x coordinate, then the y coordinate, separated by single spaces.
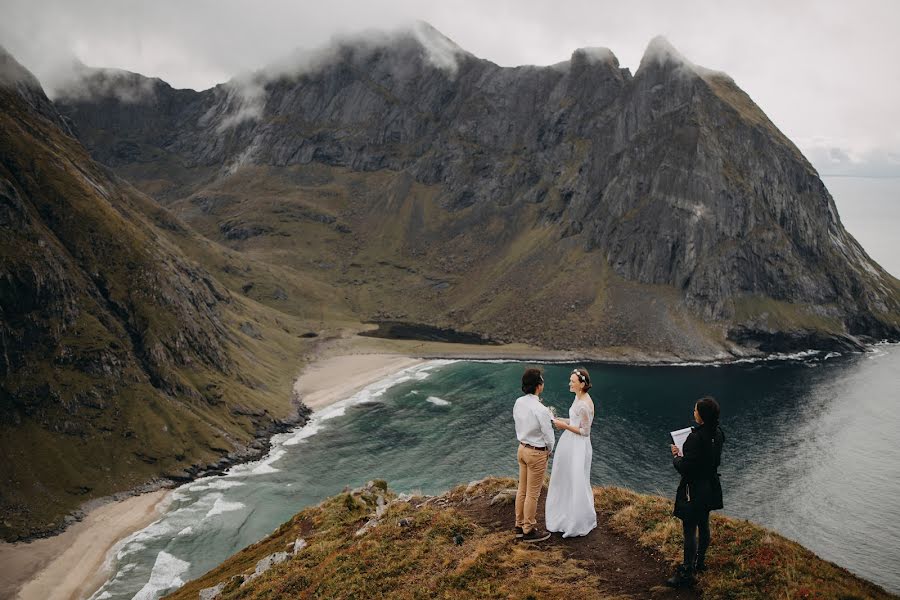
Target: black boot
pixel 683 577
pixel 700 565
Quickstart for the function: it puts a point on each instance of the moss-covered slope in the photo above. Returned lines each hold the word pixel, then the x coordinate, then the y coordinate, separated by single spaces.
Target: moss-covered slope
pixel 122 359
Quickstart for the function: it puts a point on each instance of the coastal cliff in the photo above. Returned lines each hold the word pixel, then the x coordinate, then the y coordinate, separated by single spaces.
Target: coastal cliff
pixel 370 542
pixel 123 362
pixel 661 210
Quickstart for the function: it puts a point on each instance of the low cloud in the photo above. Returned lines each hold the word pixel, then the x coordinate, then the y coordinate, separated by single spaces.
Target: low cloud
pixel 836 160
pixel 246 92
pixel 77 81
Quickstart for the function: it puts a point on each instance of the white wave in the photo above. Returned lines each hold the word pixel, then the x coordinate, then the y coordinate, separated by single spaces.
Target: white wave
pixel 166 574
pixel 214 483
pixel 130 548
pixel 437 401
pixel 778 357
pixel 221 505
pixel 368 394
pixel 178 496
pixel 186 531
pixel 264 466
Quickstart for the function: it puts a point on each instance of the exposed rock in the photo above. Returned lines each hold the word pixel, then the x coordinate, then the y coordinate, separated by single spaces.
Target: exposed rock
pixel 267 563
pixel 380 506
pixel 299 545
pixel 674 190
pixel 251 330
pixel 507 496
pixel 371 523
pixel 211 593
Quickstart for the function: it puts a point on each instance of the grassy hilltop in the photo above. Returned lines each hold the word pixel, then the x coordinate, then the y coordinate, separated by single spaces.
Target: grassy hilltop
pixel 460 545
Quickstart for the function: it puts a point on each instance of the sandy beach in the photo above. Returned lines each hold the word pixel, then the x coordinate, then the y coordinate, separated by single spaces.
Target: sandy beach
pixel 334 378
pixel 73 564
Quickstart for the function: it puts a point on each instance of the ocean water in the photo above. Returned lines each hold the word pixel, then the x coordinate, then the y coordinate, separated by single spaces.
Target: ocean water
pixel 870 210
pixel 812 452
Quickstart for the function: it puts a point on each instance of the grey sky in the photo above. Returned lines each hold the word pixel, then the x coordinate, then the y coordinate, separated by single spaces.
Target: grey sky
pixel 824 71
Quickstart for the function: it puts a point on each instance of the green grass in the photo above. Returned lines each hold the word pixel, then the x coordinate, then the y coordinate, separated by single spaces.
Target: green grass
pixel 424 561
pixel 745 561
pixel 784 316
pixel 420 561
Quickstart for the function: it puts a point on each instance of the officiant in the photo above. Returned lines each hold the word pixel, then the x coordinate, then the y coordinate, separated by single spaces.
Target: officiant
pixel 699 490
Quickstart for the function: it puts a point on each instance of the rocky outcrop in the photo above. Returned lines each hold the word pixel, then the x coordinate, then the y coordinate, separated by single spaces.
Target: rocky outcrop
pixel 669 177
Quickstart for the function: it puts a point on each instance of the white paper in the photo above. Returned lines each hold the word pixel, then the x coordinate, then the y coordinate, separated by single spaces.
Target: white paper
pixel 679 436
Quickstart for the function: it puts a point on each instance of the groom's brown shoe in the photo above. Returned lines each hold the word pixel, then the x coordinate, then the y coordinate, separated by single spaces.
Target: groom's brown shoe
pixel 536 535
pixel 518 531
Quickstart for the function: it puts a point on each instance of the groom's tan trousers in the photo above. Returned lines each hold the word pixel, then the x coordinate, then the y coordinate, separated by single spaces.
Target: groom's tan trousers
pixel 532 466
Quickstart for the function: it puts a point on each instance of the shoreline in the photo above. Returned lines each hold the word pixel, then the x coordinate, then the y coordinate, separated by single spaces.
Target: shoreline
pixel 74 563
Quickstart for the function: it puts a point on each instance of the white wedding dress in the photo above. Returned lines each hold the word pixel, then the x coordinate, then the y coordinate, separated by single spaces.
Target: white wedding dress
pixel 570 500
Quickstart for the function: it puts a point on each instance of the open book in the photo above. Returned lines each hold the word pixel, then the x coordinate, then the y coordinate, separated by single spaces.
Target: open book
pixel 678 438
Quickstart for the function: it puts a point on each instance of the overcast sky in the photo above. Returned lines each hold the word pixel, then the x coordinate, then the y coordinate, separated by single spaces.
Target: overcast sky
pixel 824 71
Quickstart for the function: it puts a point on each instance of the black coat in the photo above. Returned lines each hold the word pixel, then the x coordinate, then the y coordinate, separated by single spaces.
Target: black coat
pixel 699 490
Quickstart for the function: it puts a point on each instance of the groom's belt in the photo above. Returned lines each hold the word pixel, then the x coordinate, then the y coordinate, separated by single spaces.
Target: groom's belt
pixel 540 448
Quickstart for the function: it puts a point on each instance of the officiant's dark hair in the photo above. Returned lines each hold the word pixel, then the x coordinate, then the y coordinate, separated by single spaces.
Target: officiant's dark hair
pixel 708 409
pixel 531 379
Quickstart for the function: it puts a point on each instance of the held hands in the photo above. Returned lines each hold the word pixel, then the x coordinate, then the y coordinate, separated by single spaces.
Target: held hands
pixel 559 423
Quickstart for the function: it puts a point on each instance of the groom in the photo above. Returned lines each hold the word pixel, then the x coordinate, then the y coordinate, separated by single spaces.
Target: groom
pixel 535 433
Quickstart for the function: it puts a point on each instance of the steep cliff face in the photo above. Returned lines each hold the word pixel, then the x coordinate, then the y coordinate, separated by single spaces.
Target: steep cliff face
pixel 116 349
pixel 697 227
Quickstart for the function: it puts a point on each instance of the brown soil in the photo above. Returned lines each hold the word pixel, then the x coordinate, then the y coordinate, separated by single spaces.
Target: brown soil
pixel 625 568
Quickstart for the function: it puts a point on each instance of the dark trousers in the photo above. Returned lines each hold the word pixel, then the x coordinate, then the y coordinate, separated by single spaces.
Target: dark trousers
pixel 692 551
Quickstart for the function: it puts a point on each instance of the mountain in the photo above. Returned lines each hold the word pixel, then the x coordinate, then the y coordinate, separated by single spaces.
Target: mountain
pixel 660 211
pixel 122 359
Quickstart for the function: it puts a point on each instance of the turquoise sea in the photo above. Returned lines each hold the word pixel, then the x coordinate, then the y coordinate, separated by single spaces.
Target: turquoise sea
pixel 812 452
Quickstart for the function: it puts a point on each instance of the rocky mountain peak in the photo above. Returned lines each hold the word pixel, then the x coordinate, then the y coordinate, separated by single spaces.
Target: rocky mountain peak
pixel 13 73
pixel 17 79
pixel 660 53
pixel 594 56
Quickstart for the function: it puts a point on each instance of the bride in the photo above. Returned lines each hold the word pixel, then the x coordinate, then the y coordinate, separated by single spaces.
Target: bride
pixel 570 500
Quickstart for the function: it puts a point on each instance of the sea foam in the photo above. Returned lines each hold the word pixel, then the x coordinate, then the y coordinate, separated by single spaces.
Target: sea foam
pixel 221 505
pixel 371 393
pixel 166 574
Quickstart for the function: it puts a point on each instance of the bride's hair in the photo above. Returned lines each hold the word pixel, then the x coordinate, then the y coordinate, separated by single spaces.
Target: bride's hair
pixel 584 377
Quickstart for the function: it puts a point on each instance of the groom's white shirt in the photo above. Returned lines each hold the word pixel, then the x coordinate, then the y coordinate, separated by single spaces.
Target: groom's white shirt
pixel 533 425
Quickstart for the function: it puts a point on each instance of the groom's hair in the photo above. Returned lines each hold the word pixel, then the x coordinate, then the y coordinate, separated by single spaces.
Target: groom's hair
pixel 531 379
